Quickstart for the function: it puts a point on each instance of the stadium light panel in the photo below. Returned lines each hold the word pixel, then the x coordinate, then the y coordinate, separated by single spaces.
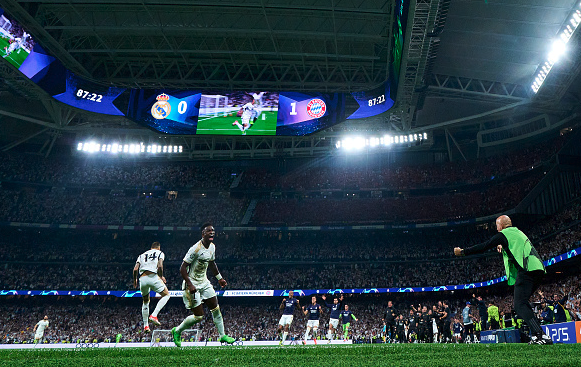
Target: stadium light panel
pixel 558 48
pixel 80 146
pixel 358 142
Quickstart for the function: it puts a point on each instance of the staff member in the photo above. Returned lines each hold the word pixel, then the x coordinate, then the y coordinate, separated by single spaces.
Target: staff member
pixel 524 270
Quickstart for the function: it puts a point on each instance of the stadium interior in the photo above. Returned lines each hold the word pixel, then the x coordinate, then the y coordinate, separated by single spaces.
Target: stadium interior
pixel 359 199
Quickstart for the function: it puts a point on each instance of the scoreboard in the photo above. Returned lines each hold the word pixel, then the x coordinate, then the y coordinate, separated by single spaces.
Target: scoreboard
pixel 190 112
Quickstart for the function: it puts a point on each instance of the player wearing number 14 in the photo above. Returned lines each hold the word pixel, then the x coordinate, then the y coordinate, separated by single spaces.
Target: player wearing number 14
pixel 149 268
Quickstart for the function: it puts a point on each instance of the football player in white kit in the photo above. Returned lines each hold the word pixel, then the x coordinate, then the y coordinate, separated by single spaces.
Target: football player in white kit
pixel 39 330
pixel 247 115
pixel 149 269
pixel 17 44
pixel 198 289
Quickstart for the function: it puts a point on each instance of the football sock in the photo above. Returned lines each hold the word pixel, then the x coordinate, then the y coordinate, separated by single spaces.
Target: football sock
pixel 189 322
pixel 307 333
pixel 284 335
pixel 160 305
pixel 535 326
pixel 145 314
pixel 218 320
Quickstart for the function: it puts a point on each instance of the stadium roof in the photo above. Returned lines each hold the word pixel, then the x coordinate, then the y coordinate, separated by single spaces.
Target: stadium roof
pixel 464 62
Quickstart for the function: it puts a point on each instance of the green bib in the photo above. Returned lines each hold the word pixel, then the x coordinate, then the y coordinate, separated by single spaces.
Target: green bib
pixel 525 255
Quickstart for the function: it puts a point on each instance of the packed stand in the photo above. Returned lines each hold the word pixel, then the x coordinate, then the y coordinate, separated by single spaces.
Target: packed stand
pixel 402 176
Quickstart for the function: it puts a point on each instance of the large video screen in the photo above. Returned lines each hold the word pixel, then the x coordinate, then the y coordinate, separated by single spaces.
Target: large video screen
pixel 179 112
pixel 235 113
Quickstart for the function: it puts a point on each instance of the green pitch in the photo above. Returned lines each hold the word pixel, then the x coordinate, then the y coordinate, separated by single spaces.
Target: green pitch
pixel 16 58
pixel 222 125
pixel 349 355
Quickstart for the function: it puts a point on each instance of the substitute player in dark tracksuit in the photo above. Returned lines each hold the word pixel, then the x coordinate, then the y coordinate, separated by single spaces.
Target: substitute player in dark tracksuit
pixel 524 270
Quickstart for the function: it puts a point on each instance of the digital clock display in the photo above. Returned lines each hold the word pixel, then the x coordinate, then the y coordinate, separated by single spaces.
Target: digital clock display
pixel 189 112
pixel 376 100
pixel 85 94
pixel 373 102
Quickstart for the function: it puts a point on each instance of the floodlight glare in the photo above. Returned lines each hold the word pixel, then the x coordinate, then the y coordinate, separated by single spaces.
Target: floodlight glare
pixel 557 50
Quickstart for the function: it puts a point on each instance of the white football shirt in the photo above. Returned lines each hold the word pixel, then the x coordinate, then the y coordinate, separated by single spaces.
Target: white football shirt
pixel 149 260
pixel 42 324
pixel 198 257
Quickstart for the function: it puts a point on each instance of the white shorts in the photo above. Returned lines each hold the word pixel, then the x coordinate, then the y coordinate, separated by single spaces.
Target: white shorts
pixel 457 335
pixel 203 291
pixel 334 323
pixel 313 324
pixel 38 335
pixel 286 320
pixel 151 282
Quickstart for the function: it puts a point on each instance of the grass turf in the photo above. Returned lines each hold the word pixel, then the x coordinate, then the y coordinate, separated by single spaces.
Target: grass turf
pixel 222 125
pixel 349 355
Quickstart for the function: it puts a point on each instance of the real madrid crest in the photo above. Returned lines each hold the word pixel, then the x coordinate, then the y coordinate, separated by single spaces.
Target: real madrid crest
pixel 161 108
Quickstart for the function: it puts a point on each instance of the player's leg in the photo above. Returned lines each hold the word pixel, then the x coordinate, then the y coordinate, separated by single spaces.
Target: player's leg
pixel 307 331
pixel 164 292
pixel 524 287
pixel 237 124
pixel 345 331
pixel 193 303
pixel 212 304
pixel 144 287
pixel 280 328
pixel 315 332
pixel 288 321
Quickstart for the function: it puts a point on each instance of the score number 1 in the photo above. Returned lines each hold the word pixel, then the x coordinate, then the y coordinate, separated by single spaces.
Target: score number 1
pixel 377 100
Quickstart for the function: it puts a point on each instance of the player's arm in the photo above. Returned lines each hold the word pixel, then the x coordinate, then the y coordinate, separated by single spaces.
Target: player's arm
pixel 35 326
pixel 160 269
pixel 282 304
pixel 498 239
pixel 354 318
pixel 186 277
pixel 214 268
pixel 305 311
pixel 135 274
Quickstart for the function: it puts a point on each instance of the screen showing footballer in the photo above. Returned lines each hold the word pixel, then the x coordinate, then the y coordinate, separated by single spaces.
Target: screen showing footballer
pixel 235 113
pixel 179 112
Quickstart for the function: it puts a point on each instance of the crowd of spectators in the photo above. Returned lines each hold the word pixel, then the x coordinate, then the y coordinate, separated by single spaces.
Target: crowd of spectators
pixel 110 192
pixel 72 259
pixel 76 172
pixel 114 174
pixel 62 208
pixel 434 208
pixel 401 176
pixel 93 319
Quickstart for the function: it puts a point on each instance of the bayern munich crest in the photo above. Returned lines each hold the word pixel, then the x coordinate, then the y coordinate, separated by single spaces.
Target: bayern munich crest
pixel 316 108
pixel 161 108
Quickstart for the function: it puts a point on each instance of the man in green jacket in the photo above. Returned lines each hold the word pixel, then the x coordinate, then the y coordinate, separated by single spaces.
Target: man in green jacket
pixel 524 270
pixel 493 317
